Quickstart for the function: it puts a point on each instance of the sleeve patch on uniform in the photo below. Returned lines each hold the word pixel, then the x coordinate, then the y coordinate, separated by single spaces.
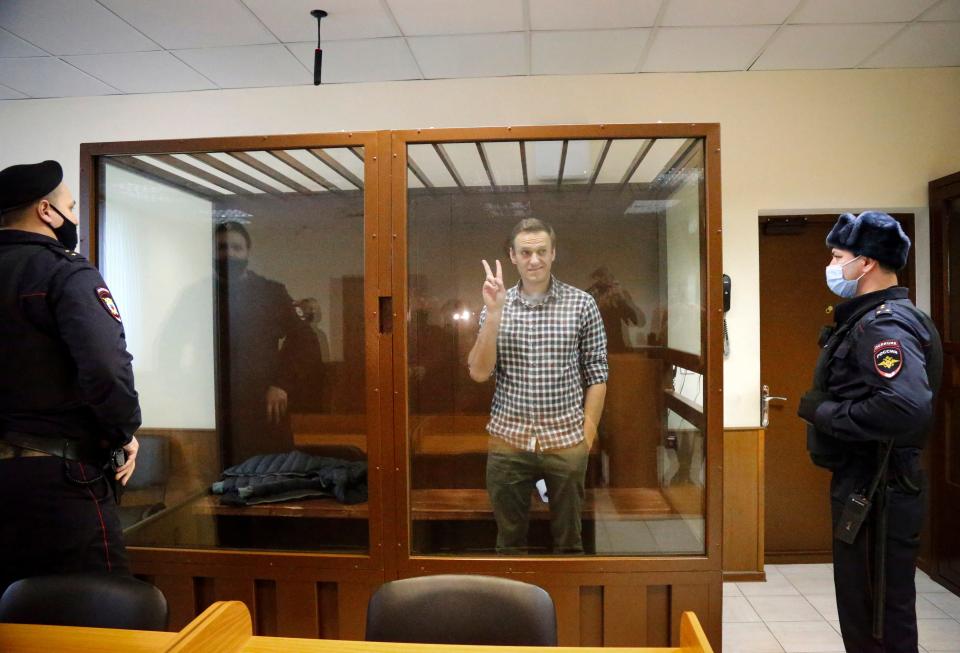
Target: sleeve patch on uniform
pixel 888 358
pixel 106 299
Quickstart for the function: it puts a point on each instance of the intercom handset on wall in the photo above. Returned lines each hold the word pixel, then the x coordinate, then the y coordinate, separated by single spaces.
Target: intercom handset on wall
pixel 726 309
pixel 726 293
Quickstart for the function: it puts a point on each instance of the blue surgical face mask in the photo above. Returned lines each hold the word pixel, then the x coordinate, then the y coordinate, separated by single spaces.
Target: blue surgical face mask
pixel 845 288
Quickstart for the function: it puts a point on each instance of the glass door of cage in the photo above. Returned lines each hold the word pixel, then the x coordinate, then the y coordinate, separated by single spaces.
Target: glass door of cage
pixel 246 269
pixel 523 462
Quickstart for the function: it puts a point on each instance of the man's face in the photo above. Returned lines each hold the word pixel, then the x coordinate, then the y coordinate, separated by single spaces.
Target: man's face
pixel 844 256
pixel 232 246
pixel 62 199
pixel 533 254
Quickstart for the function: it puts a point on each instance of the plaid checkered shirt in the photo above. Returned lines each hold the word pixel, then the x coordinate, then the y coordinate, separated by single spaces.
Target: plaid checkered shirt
pixel 547 353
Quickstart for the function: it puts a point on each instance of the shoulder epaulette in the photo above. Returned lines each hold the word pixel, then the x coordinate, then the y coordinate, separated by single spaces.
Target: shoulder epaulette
pixel 62 253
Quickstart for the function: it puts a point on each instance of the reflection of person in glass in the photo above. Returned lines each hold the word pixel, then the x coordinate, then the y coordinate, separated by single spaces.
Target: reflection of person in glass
pixel 308 309
pixel 258 330
pixel 616 307
pixel 544 341
pixel 312 351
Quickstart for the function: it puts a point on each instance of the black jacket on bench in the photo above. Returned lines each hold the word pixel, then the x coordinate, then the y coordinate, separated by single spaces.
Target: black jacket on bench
pixel 278 477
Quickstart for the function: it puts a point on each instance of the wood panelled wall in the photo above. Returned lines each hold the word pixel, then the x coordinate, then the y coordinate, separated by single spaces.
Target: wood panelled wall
pixel 632 609
pixel 290 602
pixel 605 609
pixel 743 505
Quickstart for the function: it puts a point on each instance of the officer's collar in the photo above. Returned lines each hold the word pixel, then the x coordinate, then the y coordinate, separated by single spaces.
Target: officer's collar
pixel 20 237
pixel 853 306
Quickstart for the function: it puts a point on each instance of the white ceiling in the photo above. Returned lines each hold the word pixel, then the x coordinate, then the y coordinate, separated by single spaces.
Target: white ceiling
pixel 56 48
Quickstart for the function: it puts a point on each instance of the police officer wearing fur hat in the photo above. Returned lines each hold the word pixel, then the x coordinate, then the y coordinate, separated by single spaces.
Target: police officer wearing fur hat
pixel 869 414
pixel 67 401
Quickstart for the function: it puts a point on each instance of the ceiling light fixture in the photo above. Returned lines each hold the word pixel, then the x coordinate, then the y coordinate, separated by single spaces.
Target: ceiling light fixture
pixel 319 14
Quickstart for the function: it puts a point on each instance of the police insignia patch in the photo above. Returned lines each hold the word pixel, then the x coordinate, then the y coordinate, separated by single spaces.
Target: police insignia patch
pixel 106 299
pixel 888 358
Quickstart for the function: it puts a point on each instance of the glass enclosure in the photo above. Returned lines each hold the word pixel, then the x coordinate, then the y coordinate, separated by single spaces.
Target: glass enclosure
pixel 627 263
pixel 240 276
pixel 257 304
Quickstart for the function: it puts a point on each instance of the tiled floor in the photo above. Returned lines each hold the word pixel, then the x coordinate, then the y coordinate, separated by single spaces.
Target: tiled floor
pixel 795 611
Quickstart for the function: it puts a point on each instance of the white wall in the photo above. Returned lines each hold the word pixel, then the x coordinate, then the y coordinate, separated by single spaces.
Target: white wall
pixel 157 253
pixel 683 264
pixel 790 140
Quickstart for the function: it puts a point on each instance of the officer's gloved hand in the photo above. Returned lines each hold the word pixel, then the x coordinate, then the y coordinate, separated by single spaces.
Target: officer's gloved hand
pixel 809 403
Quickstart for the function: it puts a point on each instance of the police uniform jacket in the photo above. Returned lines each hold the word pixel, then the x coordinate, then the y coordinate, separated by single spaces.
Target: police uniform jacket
pixel 66 371
pixel 876 380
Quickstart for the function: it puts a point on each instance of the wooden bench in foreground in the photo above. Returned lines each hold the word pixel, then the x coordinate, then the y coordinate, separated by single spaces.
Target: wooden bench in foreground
pixel 225 627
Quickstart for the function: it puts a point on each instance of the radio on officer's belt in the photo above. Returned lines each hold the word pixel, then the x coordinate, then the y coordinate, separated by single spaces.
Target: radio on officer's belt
pixel 855 511
pixel 857 506
pixel 117 459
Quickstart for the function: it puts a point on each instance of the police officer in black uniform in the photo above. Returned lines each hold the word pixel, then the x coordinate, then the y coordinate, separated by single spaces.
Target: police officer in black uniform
pixel 870 412
pixel 67 401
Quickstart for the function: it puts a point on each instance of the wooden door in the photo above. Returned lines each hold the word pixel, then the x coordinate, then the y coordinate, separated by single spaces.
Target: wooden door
pixel 944 456
pixel 794 303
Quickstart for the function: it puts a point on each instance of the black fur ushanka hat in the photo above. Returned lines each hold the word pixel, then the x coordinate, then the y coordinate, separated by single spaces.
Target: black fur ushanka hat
pixel 873 234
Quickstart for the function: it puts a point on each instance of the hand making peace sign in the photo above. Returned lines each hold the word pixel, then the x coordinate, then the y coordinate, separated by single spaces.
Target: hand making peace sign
pixel 494 292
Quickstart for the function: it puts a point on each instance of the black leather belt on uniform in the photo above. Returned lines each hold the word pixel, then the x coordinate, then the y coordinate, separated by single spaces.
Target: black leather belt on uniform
pixel 62 447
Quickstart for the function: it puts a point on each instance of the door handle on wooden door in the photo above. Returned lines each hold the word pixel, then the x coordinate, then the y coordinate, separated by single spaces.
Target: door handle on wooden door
pixel 765 400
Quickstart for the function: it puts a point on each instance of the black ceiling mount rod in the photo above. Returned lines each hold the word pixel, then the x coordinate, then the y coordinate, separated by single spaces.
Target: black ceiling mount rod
pixel 319 14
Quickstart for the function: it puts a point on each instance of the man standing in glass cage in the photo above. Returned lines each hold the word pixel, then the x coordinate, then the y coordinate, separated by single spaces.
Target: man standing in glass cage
pixel 545 345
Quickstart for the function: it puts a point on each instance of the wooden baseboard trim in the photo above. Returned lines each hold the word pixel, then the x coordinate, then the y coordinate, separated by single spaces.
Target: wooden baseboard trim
pixel 797 557
pixel 744 576
pixel 938 578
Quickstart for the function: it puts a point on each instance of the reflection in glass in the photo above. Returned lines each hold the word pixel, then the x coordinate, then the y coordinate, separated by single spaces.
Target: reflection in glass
pixel 263 346
pixel 628 218
pixel 243 276
pixel 616 306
